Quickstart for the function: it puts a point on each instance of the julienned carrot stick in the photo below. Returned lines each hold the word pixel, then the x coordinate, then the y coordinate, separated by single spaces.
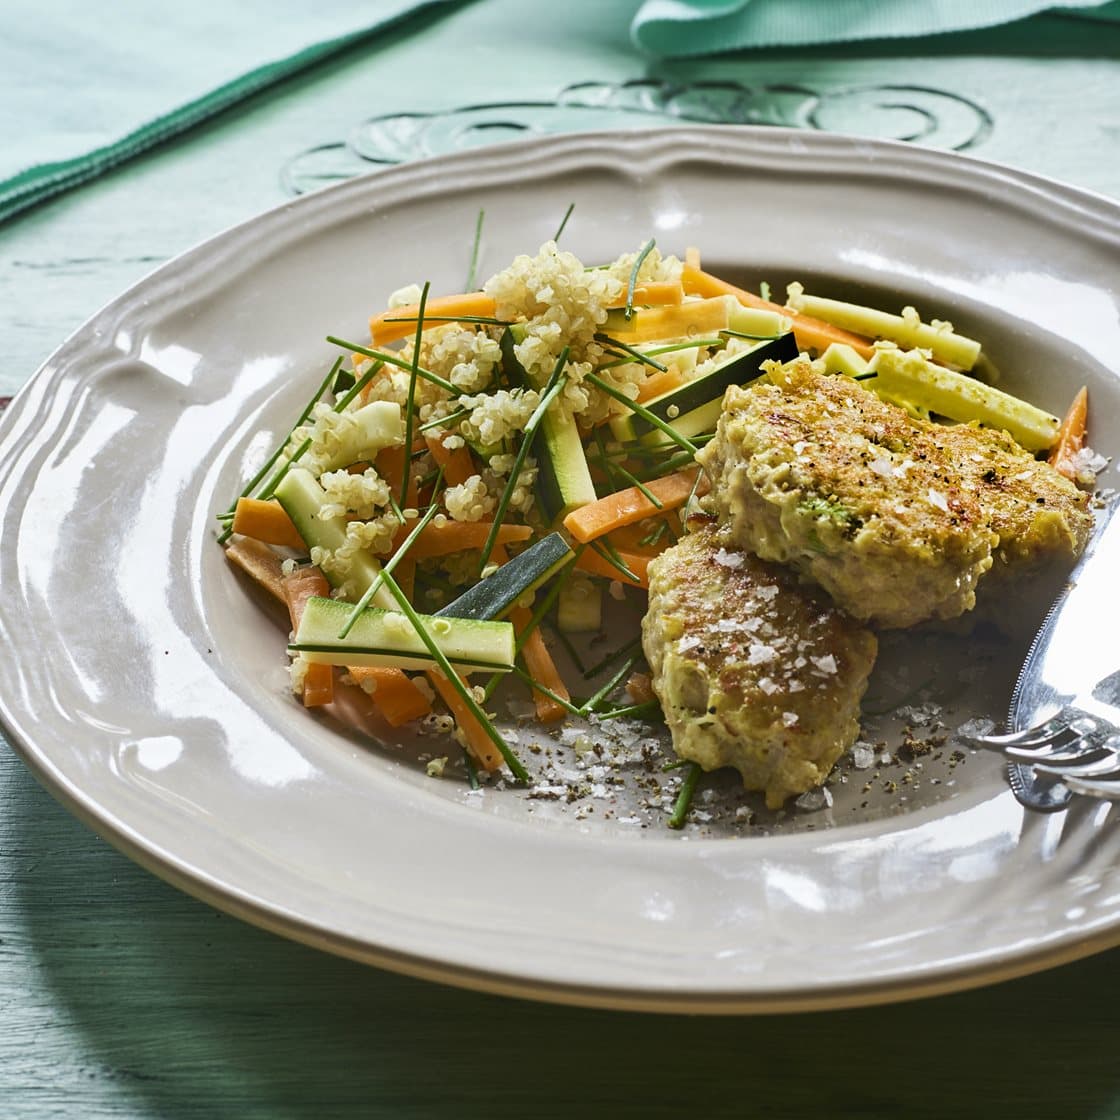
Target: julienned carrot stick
pixel 390 465
pixel 267 522
pixel 396 696
pixel 624 507
pixel 260 563
pixel 457 463
pixel 1071 435
pixel 541 667
pixel 655 293
pixel 658 382
pixel 702 316
pixel 482 749
pixel 299 586
pixel 400 322
pixel 629 537
pixel 443 538
pixel 591 561
pixel 810 333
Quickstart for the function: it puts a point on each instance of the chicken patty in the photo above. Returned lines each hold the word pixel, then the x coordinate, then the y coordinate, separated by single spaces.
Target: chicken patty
pixel 753 669
pixel 896 517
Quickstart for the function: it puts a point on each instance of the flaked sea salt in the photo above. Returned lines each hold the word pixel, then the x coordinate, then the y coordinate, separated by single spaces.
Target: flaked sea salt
pixel 814 800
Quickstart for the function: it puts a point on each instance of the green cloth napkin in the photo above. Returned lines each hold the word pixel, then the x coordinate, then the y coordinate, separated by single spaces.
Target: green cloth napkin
pixel 85 86
pixel 680 28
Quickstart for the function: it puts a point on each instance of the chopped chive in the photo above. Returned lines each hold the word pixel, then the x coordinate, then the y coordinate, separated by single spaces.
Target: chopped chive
pixel 632 710
pixel 611 658
pixel 684 798
pixel 555 384
pixel 458 414
pixel 644 413
pixel 388 569
pixel 865 376
pixel 672 347
pixel 637 355
pixel 410 402
pixel 484 319
pixel 472 269
pixel 255 481
pixel 393 360
pixel 764 291
pixel 455 680
pixel 609 553
pixel 472 770
pixel 602 693
pixel 752 337
pixel 536 686
pixel 564 222
pixel 634 481
pixel 691 498
pixel 675 764
pixel 570 649
pixel 651 538
pixel 628 310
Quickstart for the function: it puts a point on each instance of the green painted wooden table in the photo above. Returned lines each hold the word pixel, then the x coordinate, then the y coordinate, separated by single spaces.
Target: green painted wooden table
pixel 121 997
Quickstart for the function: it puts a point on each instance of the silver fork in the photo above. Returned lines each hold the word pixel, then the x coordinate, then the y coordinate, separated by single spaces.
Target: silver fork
pixel 1065 739
pixel 1072 752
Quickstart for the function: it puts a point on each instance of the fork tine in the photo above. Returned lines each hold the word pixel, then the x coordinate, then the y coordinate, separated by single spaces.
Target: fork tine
pixel 1068 748
pixel 1106 787
pixel 1053 732
pixel 1098 763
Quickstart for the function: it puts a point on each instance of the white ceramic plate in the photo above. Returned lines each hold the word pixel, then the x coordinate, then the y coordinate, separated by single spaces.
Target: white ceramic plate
pixel 148 689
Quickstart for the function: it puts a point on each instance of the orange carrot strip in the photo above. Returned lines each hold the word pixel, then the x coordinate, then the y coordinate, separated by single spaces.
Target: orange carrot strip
pixel 698 317
pixel 457 463
pixel 1071 435
pixel 629 539
pixel 478 742
pixel 590 561
pixel 260 563
pixel 390 465
pixel 811 334
pixel 655 293
pixel 299 586
pixel 437 311
pixel 265 521
pixel 541 667
pixel 457 536
pixel 405 575
pixel 396 695
pixel 658 382
pixel 627 506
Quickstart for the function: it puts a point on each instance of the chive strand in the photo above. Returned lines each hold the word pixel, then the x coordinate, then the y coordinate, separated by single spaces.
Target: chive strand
pixel 458 414
pixel 456 681
pixel 644 413
pixel 536 686
pixel 684 798
pixel 632 710
pixel 256 480
pixel 609 553
pixel 410 401
pixel 634 352
pixel 555 384
pixel 639 260
pixel 393 360
pixel 472 270
pixel 611 658
pixel 389 567
pixel 602 693
pixel 564 221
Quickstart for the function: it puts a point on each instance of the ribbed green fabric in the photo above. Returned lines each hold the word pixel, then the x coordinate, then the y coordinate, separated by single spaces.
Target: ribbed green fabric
pixel 681 28
pixel 126 65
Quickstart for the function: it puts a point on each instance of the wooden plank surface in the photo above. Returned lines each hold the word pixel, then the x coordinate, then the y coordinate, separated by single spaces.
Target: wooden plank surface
pixel 121 997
